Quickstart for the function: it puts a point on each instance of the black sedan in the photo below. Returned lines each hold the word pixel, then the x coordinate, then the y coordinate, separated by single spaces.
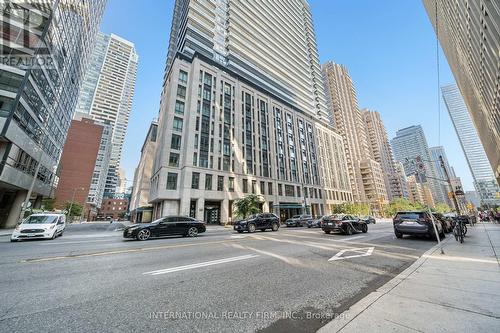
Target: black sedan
pixel 316 223
pixel 260 221
pixel 368 219
pixel 166 226
pixel 343 223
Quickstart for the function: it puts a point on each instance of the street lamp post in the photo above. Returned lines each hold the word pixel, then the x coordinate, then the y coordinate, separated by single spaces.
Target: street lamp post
pixel 73 199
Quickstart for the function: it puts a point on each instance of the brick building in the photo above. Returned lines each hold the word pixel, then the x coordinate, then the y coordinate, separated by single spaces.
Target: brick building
pixel 77 163
pixel 113 208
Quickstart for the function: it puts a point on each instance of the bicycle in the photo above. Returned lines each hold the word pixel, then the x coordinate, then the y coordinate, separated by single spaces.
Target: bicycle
pixel 460 229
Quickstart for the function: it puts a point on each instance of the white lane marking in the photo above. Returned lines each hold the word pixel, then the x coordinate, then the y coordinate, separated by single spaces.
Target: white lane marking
pixel 361 252
pixel 203 264
pixel 81 242
pixel 351 238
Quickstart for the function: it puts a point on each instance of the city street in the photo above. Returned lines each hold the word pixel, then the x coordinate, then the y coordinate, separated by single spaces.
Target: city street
pixel 293 280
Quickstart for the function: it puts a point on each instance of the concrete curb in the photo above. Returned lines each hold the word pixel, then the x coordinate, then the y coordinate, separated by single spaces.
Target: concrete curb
pixel 351 314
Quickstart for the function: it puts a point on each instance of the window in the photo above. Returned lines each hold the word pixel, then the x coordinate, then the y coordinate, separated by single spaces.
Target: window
pixel 208 182
pixel 177 124
pixel 179 107
pixel 176 142
pixel 181 91
pixel 195 181
pixel 231 184
pixel 289 190
pixel 245 185
pixel 262 188
pixel 220 183
pixel 183 77
pixel 270 188
pixel 298 191
pixel 195 159
pixel 280 190
pixel 173 160
pixel 172 181
pixel 254 185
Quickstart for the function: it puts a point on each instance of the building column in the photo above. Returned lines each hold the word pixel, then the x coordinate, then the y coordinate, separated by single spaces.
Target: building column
pixel 15 209
pixel 200 209
pixel 224 211
pixel 38 202
pixel 185 204
pixel 265 207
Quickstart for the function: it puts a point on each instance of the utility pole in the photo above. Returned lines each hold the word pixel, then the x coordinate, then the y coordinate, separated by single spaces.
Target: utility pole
pixel 453 196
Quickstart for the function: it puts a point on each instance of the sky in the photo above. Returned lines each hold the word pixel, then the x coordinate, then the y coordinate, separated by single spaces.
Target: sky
pixel 388 46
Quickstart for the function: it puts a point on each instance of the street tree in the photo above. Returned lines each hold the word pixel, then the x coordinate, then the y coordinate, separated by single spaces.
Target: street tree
pixel 73 208
pixel 248 205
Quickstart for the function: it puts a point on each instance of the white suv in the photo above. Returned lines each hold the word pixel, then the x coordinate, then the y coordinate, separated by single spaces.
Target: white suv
pixel 45 225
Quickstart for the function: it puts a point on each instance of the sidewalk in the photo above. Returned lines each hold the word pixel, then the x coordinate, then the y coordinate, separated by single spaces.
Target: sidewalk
pixel 455 292
pixel 6 232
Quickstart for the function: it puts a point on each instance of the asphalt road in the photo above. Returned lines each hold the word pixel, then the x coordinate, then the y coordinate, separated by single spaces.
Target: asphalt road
pixel 92 280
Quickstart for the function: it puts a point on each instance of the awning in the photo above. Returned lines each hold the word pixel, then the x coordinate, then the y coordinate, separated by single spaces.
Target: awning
pixel 285 206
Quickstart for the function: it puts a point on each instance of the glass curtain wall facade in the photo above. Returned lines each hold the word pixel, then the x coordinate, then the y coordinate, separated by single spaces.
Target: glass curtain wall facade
pixel 484 179
pixel 44 48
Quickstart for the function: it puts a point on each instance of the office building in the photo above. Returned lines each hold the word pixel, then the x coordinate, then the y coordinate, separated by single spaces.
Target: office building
pixel 140 209
pixel 242 110
pixel 469 33
pixel 411 149
pixel 77 164
pixel 37 102
pixel 435 153
pixel 107 95
pixel 349 123
pixel 484 179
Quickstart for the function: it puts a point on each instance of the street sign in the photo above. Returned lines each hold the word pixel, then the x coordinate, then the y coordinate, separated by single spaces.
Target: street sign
pixel 359 252
pixel 459 192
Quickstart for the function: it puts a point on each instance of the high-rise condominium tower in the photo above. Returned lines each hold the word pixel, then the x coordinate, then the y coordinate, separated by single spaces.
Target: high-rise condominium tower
pixel 484 179
pixel 408 145
pixel 381 151
pixel 469 32
pixel 107 95
pixel 44 47
pixel 348 120
pixel 243 111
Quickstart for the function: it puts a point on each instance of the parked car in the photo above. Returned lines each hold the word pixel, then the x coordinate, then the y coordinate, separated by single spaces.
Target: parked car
pixel 316 223
pixel 446 223
pixel 368 219
pixel 262 221
pixel 166 226
pixel 346 224
pixel 298 220
pixel 415 223
pixel 43 225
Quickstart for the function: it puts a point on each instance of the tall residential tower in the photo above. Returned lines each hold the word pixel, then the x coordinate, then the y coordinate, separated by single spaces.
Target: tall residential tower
pixel 107 95
pixel 365 174
pixel 243 111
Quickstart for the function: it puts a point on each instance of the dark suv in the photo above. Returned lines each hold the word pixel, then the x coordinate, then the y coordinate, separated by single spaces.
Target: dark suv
pixel 260 221
pixel 415 223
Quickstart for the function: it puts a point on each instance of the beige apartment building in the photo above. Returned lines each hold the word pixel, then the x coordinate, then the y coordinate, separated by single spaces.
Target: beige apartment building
pixel 140 209
pixel 381 151
pixel 239 114
pixel 365 173
pixel 469 33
